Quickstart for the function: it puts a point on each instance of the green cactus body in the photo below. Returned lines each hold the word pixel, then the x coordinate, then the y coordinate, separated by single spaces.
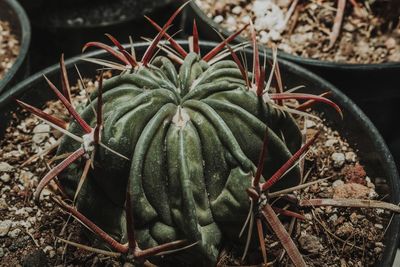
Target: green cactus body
pixel 193 139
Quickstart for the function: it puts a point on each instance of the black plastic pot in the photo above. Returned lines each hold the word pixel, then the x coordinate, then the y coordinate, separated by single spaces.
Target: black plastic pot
pixel 64 26
pixel 12 12
pixel 373 87
pixel 355 127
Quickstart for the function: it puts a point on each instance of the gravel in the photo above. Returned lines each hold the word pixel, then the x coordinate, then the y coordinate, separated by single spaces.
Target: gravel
pixel 366 36
pixel 9 48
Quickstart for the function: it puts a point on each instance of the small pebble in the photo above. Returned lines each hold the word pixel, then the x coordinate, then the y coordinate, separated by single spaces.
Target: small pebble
pixel 5 227
pixel 52 254
pixel 218 19
pixel 14 233
pixel 338 159
pixel 390 43
pixel 331 142
pixel 40 133
pixel 236 10
pixel 231 21
pixel 308 216
pixel 353 218
pixel 349 27
pixel 5 167
pixel 333 218
pixel 246 19
pixel 5 178
pixel 350 156
pixel 345 230
pixel 22 212
pixel 275 35
pixel 264 37
pixel 310 124
pixel 3 204
pixel 310 243
pixel 48 248
pixel 380 211
pixel 337 183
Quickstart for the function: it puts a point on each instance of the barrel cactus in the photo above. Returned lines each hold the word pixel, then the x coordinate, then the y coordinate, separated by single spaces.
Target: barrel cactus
pixel 180 151
pixel 192 140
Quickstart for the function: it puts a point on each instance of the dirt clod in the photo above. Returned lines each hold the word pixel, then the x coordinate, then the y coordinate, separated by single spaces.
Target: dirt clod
pixel 352 190
pixel 310 243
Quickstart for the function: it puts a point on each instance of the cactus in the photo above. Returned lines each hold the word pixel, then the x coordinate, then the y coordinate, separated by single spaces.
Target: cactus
pixel 192 140
pixel 180 158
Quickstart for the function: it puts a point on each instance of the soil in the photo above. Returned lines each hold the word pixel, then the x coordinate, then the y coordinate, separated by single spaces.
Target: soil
pixel 328 237
pixel 365 36
pixel 9 48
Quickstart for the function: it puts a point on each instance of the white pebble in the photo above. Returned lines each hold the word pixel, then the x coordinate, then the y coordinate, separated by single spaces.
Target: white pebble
pixel 338 159
pixel 218 19
pixel 286 48
pixel 40 133
pixel 275 35
pixel 47 248
pixel 22 212
pixel 264 37
pixel 5 167
pixel 310 124
pixel 380 211
pixel 351 157
pixel 337 183
pixel 230 21
pixel 246 19
pixel 330 142
pixel 333 218
pixel 5 178
pixel 237 10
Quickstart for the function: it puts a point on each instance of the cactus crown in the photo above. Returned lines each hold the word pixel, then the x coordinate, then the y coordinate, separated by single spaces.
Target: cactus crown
pixel 178 157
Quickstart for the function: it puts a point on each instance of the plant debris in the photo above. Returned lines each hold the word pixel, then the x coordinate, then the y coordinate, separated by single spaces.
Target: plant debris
pixel 307 28
pixel 9 48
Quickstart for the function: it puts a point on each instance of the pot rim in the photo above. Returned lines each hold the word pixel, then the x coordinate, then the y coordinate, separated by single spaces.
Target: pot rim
pixel 298 59
pixel 113 23
pixel 24 40
pixel 376 139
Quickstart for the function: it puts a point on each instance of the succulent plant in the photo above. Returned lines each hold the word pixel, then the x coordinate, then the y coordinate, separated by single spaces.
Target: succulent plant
pixel 192 139
pixel 180 158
